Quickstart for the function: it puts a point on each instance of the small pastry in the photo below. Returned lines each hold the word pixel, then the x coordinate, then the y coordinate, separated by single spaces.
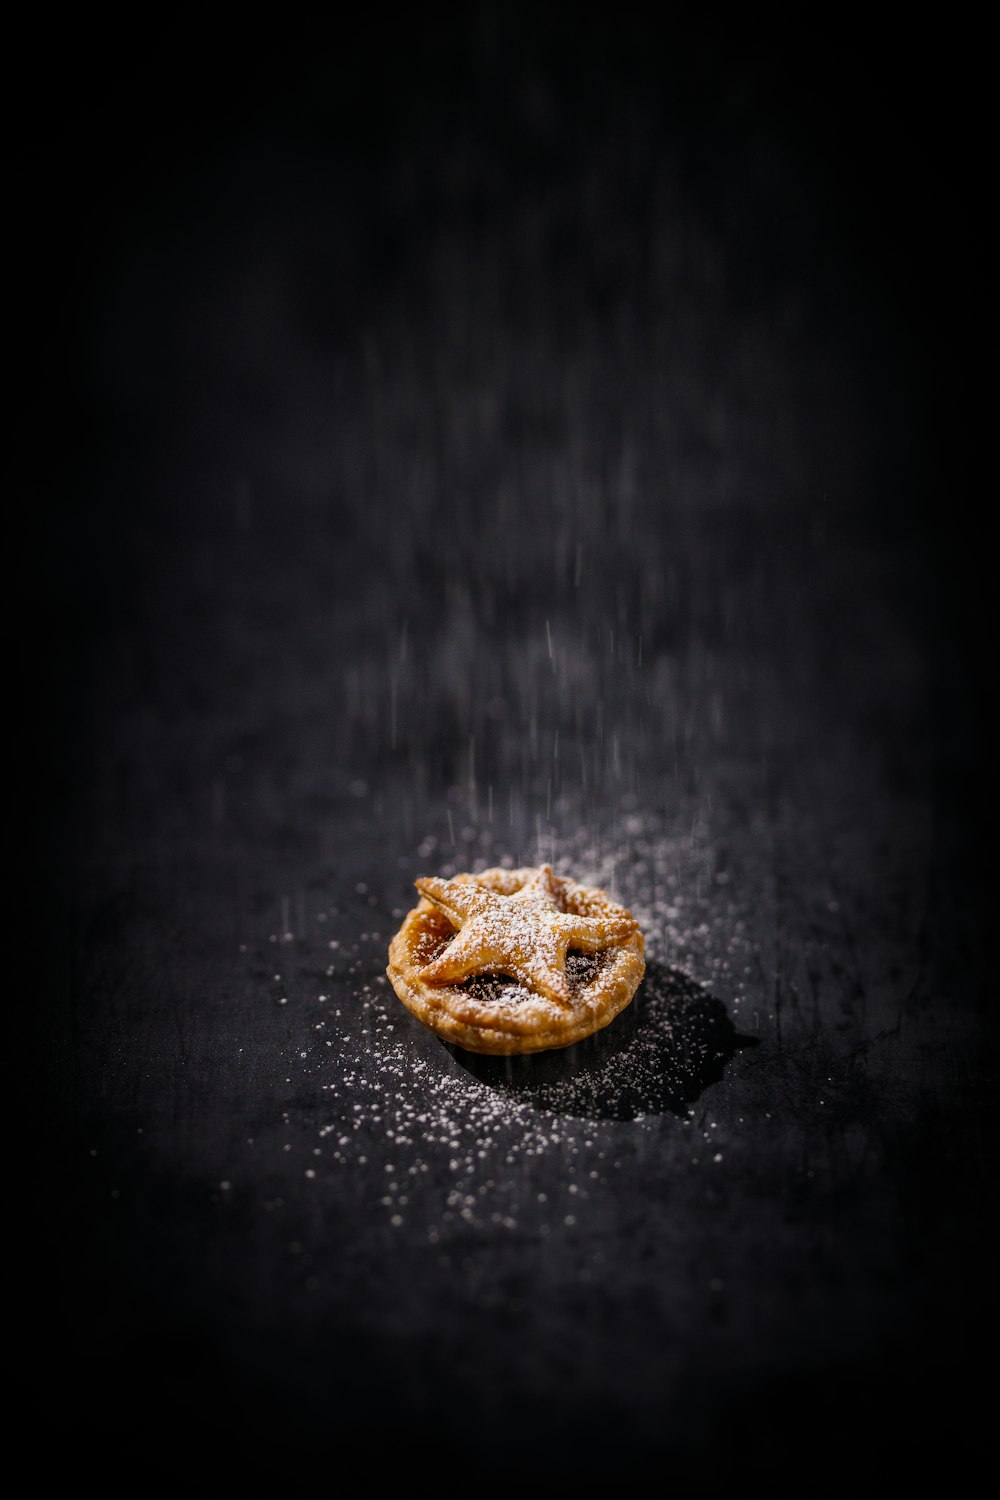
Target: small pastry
pixel 512 961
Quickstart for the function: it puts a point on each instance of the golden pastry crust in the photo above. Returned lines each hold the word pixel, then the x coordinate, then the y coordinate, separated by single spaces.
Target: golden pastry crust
pixel 512 961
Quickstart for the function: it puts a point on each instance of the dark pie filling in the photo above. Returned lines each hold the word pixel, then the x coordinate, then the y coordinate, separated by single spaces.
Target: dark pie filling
pixel 498 989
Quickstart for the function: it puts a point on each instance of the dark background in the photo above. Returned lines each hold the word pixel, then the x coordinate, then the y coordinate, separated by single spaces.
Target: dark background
pixel 509 434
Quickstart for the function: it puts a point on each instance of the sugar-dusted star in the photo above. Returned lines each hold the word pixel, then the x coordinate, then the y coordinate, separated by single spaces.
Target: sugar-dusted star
pixel 525 935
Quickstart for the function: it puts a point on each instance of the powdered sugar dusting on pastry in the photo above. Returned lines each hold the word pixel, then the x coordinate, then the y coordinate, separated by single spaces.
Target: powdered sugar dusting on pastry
pixel 501 983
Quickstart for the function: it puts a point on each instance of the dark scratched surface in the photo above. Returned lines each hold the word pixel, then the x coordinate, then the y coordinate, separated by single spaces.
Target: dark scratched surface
pixel 515 441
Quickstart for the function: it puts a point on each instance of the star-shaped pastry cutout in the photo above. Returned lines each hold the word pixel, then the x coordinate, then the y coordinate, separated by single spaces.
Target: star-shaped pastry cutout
pixel 525 935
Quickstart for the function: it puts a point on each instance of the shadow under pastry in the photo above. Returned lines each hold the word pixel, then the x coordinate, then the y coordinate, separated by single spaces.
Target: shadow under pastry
pixel 656 1057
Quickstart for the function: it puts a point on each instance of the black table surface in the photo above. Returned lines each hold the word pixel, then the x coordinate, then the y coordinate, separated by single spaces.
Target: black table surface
pixel 482 449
